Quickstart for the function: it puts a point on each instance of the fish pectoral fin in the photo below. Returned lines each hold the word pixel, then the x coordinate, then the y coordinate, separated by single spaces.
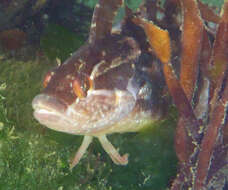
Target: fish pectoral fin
pixel 85 144
pixel 112 152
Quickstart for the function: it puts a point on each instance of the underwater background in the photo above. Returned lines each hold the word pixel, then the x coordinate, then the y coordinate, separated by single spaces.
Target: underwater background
pixel 34 37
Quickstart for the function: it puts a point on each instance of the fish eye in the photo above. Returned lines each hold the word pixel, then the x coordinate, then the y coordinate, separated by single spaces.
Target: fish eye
pixel 81 86
pixel 78 90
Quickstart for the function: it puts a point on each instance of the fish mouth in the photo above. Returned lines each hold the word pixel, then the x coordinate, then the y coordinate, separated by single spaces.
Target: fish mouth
pixel 99 110
pixel 47 108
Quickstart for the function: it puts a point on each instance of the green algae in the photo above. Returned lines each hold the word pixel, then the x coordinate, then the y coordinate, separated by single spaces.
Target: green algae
pixel 215 3
pixel 59 42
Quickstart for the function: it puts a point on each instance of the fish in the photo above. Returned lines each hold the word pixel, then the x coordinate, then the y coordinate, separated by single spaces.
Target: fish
pixel 112 84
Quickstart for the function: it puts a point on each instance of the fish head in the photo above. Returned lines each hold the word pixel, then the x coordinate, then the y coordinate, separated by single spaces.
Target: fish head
pixel 92 90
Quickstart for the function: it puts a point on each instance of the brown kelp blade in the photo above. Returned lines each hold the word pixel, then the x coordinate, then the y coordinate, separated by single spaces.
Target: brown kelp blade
pixel 192 27
pixel 218 116
pixel 220 52
pixel 191 45
pixel 103 16
pixel 158 39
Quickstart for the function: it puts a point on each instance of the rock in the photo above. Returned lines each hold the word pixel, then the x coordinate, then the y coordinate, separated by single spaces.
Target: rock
pixel 12 39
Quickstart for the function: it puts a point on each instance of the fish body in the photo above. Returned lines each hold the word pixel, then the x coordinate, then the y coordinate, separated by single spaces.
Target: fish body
pixel 105 87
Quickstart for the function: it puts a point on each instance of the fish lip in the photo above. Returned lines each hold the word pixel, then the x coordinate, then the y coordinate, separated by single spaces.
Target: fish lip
pixel 48 103
pixel 42 117
pixel 51 112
